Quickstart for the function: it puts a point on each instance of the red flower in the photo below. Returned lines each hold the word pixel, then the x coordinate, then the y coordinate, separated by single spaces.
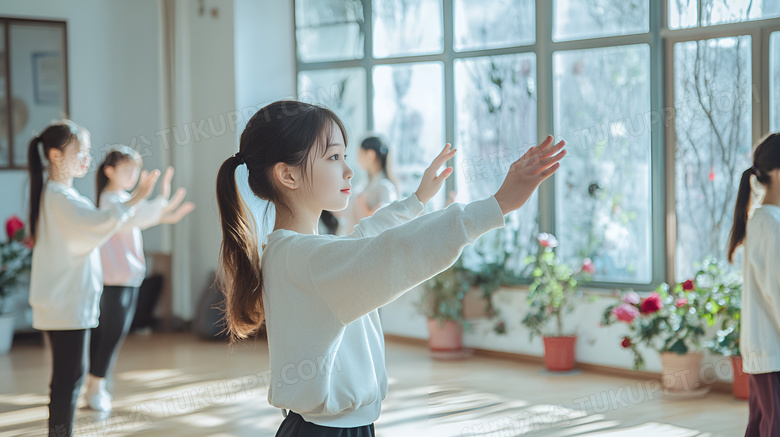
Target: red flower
pixel 12 227
pixel 547 240
pixel 682 302
pixel 652 304
pixel 588 267
pixel 626 343
pixel 688 285
pixel 625 312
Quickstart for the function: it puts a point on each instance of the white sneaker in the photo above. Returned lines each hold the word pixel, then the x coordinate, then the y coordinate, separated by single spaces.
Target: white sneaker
pixel 98 397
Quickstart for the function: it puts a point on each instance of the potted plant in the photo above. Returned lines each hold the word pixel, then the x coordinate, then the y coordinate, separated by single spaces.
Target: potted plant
pixel 552 294
pixel 15 260
pixel 442 304
pixel 725 302
pixel 671 320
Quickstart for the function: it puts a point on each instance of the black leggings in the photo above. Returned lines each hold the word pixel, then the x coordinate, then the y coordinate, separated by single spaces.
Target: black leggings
pixel 117 308
pixel 69 365
pixel 294 426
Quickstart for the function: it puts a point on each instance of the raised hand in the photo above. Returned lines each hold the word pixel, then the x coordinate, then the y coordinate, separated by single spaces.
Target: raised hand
pixel 145 186
pixel 176 216
pixel 527 173
pixel 431 182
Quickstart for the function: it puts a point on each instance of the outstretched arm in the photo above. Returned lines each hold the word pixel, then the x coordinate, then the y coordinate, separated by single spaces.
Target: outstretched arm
pixel 401 211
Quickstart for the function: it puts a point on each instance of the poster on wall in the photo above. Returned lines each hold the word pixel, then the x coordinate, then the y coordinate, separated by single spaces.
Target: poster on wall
pixel 33 84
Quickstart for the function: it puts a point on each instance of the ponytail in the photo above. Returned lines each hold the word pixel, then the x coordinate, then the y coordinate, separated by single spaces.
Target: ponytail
pixel 741 209
pixel 766 158
pixel 35 169
pixel 239 259
pixel 56 136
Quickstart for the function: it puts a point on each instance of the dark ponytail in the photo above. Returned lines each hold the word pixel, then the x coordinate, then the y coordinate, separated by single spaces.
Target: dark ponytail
pixel 766 158
pixel 282 132
pixel 114 157
pixel 55 136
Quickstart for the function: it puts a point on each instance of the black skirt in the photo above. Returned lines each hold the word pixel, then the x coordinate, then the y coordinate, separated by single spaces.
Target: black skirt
pixel 294 426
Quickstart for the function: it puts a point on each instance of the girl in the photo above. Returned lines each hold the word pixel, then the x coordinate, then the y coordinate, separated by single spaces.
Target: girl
pixel 65 281
pixel 326 346
pixel 124 265
pixel 759 340
pixel 381 190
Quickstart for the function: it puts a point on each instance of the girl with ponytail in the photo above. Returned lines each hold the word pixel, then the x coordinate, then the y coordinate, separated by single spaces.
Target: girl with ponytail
pixel 123 261
pixel 759 341
pixel 66 279
pixel 318 295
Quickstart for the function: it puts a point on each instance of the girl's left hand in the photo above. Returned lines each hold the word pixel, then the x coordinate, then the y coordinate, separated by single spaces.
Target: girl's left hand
pixel 431 183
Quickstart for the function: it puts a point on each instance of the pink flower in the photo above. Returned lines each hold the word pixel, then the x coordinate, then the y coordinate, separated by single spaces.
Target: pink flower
pixel 625 312
pixel 631 297
pixel 652 304
pixel 711 176
pixel 588 267
pixel 12 226
pixel 626 343
pixel 688 285
pixel 682 302
pixel 548 240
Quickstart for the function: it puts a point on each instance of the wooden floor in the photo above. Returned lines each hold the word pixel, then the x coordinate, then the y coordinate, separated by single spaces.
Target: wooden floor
pixel 175 385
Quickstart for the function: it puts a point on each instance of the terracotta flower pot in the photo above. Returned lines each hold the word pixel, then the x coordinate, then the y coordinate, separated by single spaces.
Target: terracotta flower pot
pixel 559 353
pixel 681 372
pixel 447 337
pixel 741 379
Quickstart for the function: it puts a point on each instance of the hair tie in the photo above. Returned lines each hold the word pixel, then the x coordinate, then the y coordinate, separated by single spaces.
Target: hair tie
pixel 239 157
pixel 754 169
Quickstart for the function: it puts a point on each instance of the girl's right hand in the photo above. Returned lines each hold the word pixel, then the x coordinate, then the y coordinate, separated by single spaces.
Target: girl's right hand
pixel 431 183
pixel 527 173
pixel 145 186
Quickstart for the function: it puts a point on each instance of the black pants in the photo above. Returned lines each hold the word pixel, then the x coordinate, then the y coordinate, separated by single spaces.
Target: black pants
pixel 69 365
pixel 294 426
pixel 764 402
pixel 117 308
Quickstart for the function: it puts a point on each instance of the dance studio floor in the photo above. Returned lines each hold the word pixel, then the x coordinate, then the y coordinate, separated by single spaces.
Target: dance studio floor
pixel 175 385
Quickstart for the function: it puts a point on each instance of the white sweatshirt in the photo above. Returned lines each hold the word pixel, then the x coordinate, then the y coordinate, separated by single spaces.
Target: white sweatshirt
pixel 66 277
pixel 321 294
pixel 122 255
pixel 760 320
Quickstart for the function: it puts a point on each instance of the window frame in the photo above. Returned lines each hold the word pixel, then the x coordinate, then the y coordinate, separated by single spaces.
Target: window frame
pixel 660 40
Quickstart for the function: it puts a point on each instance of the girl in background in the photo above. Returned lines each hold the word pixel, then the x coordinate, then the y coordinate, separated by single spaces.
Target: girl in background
pixel 373 157
pixel 759 341
pixel 319 294
pixel 124 264
pixel 66 275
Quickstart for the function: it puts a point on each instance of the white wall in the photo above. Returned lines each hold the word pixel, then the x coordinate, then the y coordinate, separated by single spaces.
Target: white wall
pixel 112 78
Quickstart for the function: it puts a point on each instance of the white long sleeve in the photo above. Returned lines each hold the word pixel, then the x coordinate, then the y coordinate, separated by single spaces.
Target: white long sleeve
pixel 66 277
pixel 760 317
pixel 321 294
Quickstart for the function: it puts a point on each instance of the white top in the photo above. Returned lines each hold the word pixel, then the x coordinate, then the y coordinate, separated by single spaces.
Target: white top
pixel 760 320
pixel 321 294
pixel 66 279
pixel 380 191
pixel 122 255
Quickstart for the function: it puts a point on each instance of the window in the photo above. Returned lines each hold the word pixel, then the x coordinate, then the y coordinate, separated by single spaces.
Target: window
pixel 647 111
pixel 481 24
pixel 329 30
pixel 712 87
pixel 409 112
pixel 407 27
pixel 685 13
pixel 603 197
pixel 577 19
